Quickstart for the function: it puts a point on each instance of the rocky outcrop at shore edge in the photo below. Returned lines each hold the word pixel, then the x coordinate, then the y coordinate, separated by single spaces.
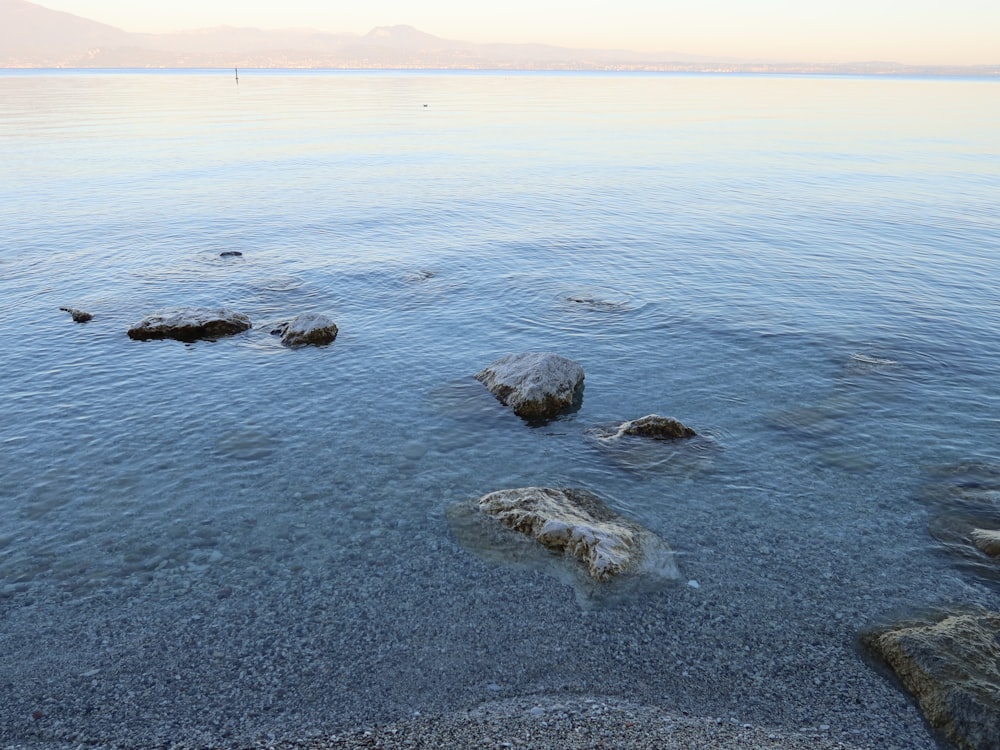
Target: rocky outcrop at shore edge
pixel 579 525
pixel 307 329
pixel 190 324
pixel 952 667
pixel 535 385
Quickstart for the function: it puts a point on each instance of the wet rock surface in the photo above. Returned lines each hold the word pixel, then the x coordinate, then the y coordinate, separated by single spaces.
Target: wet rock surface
pixel 579 525
pixel 952 667
pixel 190 324
pixel 966 497
pixel 79 316
pixel 651 426
pixel 308 329
pixel 535 385
pixel 654 443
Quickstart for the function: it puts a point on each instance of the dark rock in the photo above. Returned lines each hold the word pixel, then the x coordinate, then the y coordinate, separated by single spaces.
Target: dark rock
pixel 653 426
pixel 190 324
pixel 654 443
pixel 79 316
pixel 535 385
pixel 230 254
pixel 952 667
pixel 307 329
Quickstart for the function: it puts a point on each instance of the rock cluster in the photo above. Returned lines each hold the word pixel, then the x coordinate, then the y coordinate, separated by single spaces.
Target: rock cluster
pixel 535 385
pixel 307 329
pixel 952 667
pixel 578 524
pixel 190 324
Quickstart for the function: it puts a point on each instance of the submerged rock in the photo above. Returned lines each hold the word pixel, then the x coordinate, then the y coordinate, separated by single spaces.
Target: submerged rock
pixel 535 385
pixel 651 426
pixel 986 541
pixel 952 667
pixel 967 497
pixel 79 316
pixel 190 324
pixel 578 525
pixel 653 443
pixel 307 329
pixel 974 540
pixel 230 254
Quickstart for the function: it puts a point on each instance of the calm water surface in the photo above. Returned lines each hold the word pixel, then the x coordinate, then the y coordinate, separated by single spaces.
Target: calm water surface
pixel 805 270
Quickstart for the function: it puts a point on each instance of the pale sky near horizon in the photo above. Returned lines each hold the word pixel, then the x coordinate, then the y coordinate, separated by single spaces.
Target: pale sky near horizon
pixel 963 32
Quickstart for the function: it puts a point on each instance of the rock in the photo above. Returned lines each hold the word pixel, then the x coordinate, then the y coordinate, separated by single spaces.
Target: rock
pixel 970 487
pixel 190 324
pixel 973 541
pixel 967 496
pixel 654 443
pixel 986 541
pixel 578 525
pixel 79 316
pixel 535 385
pixel 952 667
pixel 307 328
pixel 651 426
pixel 230 254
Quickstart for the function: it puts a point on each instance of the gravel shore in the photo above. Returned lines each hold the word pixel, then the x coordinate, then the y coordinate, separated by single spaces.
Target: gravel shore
pixel 548 723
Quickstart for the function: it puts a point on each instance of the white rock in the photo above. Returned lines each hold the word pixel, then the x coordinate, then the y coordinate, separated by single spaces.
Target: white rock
pixel 578 524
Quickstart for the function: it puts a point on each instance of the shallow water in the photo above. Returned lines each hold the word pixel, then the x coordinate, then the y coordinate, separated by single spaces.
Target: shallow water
pixel 802 269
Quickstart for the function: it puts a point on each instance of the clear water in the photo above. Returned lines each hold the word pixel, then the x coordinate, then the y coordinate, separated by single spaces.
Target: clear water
pixel 738 252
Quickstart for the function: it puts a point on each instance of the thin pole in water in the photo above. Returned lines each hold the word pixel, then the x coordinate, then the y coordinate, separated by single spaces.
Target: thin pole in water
pixel 237 76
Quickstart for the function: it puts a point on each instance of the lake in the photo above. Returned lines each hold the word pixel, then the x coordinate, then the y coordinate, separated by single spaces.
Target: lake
pixel 232 541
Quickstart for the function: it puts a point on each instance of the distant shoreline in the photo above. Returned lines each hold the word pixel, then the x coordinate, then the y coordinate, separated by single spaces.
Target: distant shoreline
pixel 992 72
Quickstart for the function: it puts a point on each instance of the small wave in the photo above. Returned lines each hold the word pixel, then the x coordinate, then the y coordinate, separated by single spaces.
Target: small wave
pixel 868 359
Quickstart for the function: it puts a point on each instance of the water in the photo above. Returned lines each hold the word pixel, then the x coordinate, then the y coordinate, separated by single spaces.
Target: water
pixel 248 541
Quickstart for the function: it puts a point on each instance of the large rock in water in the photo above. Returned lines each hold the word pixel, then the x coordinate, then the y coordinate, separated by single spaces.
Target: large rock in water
pixel 536 385
pixel 953 669
pixel 306 329
pixel 578 524
pixel 190 324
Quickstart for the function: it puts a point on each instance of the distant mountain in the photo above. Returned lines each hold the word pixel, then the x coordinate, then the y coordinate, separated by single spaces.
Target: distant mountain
pixel 32 36
pixel 43 37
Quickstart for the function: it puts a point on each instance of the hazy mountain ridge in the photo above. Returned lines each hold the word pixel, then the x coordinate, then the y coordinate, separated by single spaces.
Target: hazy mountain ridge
pixel 32 36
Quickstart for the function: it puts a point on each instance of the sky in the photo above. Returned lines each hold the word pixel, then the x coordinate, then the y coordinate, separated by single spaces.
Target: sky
pixel 960 32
